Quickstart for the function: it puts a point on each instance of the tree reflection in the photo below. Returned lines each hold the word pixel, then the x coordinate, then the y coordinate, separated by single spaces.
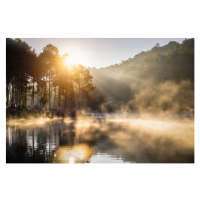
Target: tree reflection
pixel 86 140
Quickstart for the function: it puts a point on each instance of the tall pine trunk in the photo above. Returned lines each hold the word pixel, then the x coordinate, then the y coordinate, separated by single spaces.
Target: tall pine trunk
pixel 12 95
pixel 33 94
pixel 7 94
pixel 66 99
pixel 49 94
pixel 25 97
pixel 79 92
pixel 59 98
pixel 55 99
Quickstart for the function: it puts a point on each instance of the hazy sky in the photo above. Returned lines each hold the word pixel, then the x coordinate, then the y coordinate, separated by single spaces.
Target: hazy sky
pixel 99 52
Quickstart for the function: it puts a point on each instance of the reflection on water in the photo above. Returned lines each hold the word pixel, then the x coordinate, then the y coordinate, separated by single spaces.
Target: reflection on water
pixel 99 141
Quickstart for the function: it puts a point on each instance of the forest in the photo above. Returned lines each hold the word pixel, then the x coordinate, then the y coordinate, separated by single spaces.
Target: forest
pixel 58 87
pixel 160 80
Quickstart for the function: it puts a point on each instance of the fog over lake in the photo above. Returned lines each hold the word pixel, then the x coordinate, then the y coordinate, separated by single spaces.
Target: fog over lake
pixel 101 139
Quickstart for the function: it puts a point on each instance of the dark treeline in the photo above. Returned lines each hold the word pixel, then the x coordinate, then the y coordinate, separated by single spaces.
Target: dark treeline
pixel 158 80
pixel 44 80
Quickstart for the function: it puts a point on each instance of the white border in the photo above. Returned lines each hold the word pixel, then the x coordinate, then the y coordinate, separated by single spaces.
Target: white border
pixel 93 19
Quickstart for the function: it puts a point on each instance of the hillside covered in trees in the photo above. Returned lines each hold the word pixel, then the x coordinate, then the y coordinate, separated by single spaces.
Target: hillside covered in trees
pixel 155 81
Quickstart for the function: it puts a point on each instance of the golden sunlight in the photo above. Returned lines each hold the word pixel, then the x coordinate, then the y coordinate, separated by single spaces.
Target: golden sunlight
pixel 79 153
pixel 74 57
pixel 71 60
pixel 71 160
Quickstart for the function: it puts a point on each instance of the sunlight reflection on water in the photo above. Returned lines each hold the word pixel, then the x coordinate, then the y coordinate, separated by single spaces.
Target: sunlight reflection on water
pixel 90 140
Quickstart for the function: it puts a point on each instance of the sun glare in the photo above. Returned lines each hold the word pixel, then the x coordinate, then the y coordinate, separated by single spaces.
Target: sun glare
pixel 74 57
pixel 71 60
pixel 71 160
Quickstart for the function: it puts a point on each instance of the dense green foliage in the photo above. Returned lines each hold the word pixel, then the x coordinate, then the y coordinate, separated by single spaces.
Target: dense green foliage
pixel 161 79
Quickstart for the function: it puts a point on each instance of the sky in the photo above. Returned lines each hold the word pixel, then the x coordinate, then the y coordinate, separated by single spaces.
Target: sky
pixel 99 52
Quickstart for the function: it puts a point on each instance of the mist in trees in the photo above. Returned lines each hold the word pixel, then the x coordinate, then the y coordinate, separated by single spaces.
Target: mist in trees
pixel 160 80
pixel 45 79
pixel 155 81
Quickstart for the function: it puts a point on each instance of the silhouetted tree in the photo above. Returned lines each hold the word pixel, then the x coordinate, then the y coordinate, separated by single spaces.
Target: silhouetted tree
pixel 49 59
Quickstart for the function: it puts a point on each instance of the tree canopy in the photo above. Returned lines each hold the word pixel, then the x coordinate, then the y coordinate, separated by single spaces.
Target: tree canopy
pixel 136 84
pixel 158 80
pixel 45 76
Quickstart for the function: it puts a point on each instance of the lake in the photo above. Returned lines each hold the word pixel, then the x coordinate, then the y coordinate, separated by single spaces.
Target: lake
pixel 100 140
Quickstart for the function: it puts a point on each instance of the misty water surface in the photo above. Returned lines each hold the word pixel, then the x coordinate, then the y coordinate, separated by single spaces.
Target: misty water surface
pixel 100 140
